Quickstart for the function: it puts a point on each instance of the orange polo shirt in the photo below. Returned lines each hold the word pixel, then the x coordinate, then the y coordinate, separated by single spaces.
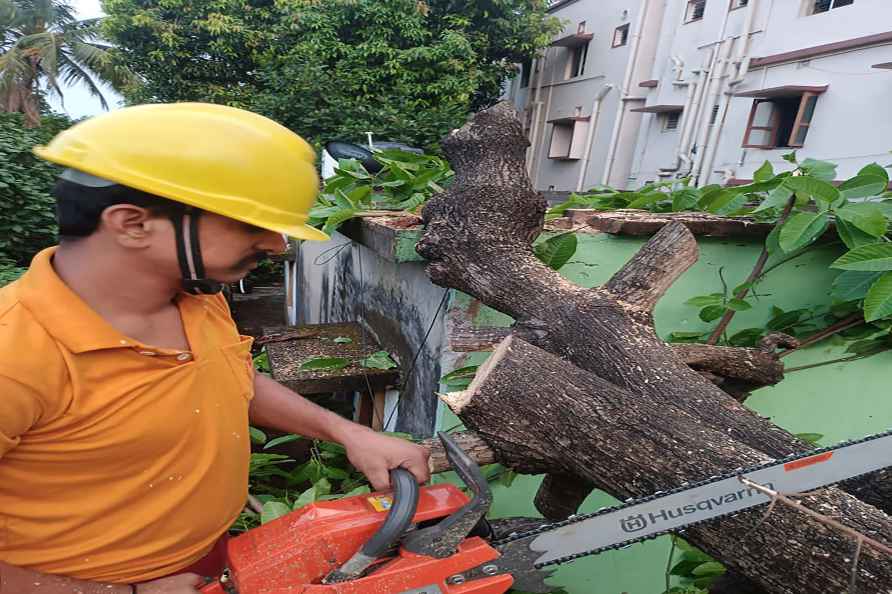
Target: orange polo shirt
pixel 119 461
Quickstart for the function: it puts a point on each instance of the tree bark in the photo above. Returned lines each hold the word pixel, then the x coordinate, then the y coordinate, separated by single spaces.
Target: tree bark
pixel 577 424
pixel 478 240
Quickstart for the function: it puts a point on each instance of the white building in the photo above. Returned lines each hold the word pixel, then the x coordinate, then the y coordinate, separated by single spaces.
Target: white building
pixel 635 91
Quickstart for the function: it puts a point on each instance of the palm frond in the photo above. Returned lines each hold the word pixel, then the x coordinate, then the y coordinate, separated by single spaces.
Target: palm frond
pixel 72 73
pixel 100 62
pixel 8 17
pixel 14 64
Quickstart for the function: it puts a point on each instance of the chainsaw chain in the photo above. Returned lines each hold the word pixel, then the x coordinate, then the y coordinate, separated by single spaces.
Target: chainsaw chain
pixel 574 519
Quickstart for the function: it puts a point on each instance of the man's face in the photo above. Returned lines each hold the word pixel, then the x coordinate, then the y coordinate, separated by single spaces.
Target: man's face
pixel 230 249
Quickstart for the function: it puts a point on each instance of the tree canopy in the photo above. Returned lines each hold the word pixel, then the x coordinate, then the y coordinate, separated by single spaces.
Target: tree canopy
pixel 408 70
pixel 43 44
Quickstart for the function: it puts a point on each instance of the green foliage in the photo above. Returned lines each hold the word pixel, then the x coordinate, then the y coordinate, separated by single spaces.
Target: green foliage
pixel 812 438
pixel 261 362
pixel 694 570
pixel 9 272
pixel 43 46
pixel 557 250
pixel 459 378
pixel 408 70
pixel 27 210
pixel 405 182
pixel 378 360
pixel 283 484
pixel 860 209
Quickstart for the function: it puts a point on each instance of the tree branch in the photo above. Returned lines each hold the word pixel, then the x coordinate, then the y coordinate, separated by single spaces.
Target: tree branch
pixel 647 276
pixel 755 274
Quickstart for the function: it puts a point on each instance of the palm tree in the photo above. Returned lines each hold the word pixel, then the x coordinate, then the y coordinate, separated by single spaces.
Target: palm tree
pixel 42 43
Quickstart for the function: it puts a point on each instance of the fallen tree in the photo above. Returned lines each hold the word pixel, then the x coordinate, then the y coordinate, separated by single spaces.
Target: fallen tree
pixel 583 389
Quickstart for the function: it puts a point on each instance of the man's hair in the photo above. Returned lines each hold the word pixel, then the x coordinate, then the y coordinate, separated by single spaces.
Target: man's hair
pixel 79 208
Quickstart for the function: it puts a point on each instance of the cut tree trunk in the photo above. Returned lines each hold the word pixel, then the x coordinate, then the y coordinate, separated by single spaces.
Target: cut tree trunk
pixel 540 413
pixel 478 240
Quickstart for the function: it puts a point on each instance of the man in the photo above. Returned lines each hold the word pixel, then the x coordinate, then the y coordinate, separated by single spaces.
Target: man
pixel 125 388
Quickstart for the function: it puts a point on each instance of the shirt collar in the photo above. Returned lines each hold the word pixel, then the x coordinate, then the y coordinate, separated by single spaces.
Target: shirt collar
pixel 66 317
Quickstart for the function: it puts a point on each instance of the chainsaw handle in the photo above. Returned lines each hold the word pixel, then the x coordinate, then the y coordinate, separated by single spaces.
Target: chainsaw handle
pixel 405 502
pixel 402 511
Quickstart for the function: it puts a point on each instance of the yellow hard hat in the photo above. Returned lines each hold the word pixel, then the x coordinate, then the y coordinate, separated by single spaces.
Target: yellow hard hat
pixel 220 159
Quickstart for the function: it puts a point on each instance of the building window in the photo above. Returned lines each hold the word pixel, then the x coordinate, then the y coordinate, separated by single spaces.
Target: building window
pixel 780 122
pixel 621 36
pixel 526 69
pixel 819 6
pixel 567 138
pixel 694 11
pixel 738 3
pixel 670 121
pixel 576 63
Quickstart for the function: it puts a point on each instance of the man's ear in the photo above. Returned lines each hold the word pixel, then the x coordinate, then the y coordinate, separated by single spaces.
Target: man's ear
pixel 132 226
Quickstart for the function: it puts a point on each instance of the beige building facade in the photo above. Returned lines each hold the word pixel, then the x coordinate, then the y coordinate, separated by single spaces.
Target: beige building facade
pixel 634 91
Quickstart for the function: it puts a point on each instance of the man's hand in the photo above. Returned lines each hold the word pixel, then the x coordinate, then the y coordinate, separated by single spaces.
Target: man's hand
pixel 375 454
pixel 182 583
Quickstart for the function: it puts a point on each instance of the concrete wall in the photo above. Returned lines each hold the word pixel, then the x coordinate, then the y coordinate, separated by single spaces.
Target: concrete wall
pixel 342 281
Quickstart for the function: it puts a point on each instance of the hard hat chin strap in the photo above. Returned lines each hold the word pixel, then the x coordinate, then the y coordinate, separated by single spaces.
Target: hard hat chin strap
pixel 189 254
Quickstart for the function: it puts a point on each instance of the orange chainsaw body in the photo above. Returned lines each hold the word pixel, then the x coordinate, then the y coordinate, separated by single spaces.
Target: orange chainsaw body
pixel 292 554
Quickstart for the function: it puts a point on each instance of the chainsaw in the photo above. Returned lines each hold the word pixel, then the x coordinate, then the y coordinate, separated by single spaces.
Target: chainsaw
pixel 435 539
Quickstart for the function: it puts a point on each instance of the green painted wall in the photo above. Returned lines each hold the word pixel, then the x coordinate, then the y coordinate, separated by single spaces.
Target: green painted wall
pixel 839 401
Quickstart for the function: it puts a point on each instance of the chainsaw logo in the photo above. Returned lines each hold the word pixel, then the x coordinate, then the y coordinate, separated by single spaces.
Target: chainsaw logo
pixel 638 522
pixel 633 523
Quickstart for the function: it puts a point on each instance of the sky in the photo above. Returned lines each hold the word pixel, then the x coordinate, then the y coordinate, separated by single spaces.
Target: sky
pixel 78 101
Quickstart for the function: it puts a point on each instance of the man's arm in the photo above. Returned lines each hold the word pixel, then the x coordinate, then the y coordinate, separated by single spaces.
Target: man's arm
pixel 373 454
pixel 17 580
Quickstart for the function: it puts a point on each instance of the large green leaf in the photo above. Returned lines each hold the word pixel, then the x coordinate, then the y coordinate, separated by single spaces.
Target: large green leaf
pixel 378 360
pixel 257 436
pixel 813 187
pixel 852 236
pixel 853 284
pixel 556 251
pixel 711 313
pixel 875 169
pixel 823 170
pixel 273 510
pixel 280 440
pixel 866 216
pixel 863 186
pixel 875 257
pixel 705 300
pixel 684 199
pixel 878 302
pixel 802 229
pixel 764 173
pixel 777 198
pixel 738 305
pixel 709 568
pixel 460 378
pixel 726 203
